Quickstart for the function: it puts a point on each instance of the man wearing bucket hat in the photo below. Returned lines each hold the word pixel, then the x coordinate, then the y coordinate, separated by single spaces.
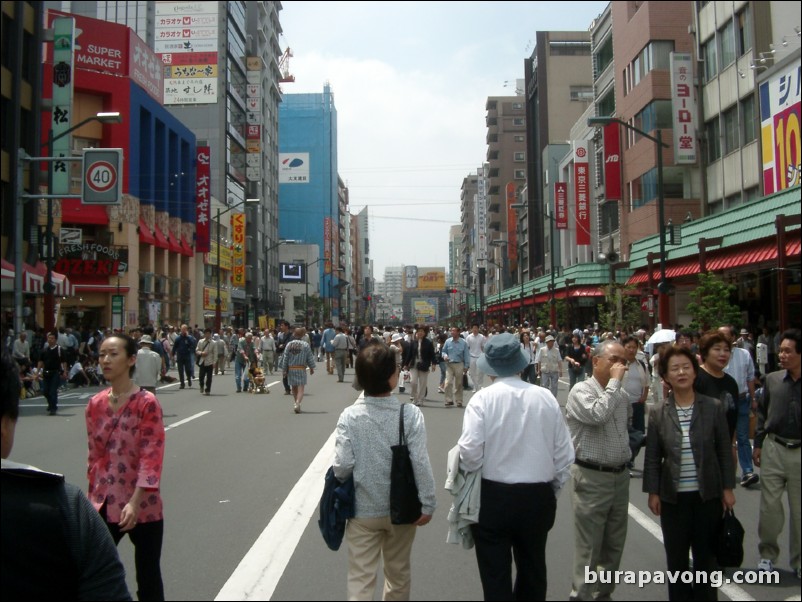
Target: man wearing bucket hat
pixel 549 365
pixel 516 434
pixel 148 365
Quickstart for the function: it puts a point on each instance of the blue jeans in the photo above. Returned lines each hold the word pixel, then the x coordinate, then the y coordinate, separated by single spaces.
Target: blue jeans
pixel 50 385
pixel 742 434
pixel 574 378
pixel 239 371
pixel 442 374
pixel 184 365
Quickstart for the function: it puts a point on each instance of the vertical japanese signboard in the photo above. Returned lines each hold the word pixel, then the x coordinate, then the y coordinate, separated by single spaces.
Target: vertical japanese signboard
pixel 327 245
pixel 203 210
pixel 780 129
pixel 481 217
pixel 561 205
pixel 238 252
pixel 581 186
pixel 612 162
pixel 683 108
pixel 63 78
pixel 512 224
pixel 253 158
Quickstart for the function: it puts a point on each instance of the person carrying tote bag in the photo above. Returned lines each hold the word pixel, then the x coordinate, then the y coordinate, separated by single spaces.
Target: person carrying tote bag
pixel 366 433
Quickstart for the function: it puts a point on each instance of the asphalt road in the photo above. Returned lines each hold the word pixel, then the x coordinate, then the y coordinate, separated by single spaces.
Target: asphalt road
pixel 243 474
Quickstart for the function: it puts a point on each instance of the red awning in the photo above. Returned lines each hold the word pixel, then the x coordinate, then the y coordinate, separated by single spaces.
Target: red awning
pixel 73 211
pixel 175 246
pixel 145 235
pixel 34 276
pixel 161 240
pixel 186 248
pixel 722 259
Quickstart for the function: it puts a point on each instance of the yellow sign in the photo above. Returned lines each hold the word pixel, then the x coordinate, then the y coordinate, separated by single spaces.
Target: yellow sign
pixel 431 279
pixel 238 252
pixel 210 298
pixel 225 256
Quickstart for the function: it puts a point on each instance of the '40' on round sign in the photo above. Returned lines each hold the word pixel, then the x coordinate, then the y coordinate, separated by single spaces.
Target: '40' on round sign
pixel 101 182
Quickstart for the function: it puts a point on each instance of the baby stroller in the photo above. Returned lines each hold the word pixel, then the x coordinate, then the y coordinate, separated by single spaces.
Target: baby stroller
pixel 256 382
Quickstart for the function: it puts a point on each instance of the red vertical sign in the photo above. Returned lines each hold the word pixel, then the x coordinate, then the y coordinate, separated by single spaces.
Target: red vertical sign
pixel 512 224
pixel 561 205
pixel 612 162
pixel 581 190
pixel 203 210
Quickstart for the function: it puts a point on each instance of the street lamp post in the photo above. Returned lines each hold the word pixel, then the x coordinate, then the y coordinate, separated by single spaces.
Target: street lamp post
pixel 49 289
pixel 218 309
pixel 306 292
pixel 663 286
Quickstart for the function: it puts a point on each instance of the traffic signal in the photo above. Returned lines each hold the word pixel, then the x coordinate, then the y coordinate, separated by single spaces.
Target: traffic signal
pixel 451 290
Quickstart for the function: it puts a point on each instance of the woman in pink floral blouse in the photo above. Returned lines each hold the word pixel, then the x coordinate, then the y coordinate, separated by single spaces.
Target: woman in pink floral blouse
pixel 126 452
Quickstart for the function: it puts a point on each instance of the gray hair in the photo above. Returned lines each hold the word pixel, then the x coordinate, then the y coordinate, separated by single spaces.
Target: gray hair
pixel 599 349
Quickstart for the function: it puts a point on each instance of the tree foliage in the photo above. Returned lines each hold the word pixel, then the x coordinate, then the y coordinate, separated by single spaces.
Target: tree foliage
pixel 711 305
pixel 620 310
pixel 543 313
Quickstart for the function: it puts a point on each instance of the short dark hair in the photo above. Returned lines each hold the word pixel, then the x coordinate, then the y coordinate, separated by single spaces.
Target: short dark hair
pixel 795 335
pixel 625 340
pixel 374 366
pixel 129 346
pixel 670 351
pixel 710 338
pixel 10 387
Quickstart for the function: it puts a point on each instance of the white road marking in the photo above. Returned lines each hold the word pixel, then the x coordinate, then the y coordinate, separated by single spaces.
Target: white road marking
pixel 185 420
pixel 260 570
pixel 732 591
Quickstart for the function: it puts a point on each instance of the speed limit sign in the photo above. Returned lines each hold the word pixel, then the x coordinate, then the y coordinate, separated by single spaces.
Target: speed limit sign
pixel 101 184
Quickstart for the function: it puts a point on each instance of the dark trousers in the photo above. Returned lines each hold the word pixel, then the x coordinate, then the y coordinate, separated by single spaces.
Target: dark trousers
pixel 184 363
pixel 50 385
pixel 147 540
pixel 205 377
pixel 514 523
pixel 690 524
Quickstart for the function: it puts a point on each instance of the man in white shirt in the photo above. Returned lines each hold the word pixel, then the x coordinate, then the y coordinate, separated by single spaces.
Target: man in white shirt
pixel 267 345
pixel 476 345
pixel 148 365
pixel 515 433
pixel 22 348
pixel 549 365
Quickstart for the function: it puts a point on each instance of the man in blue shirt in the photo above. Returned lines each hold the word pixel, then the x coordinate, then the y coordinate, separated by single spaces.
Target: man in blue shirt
pixel 328 347
pixel 457 358
pixel 183 348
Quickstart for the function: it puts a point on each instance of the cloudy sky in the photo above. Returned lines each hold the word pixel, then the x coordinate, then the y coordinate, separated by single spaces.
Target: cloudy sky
pixel 410 82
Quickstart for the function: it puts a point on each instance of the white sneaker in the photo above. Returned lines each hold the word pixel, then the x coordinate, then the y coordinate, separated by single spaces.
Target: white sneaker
pixel 765 565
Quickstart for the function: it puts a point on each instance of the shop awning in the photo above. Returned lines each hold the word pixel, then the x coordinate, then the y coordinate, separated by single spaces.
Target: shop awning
pixel 145 235
pixel 174 245
pixel 186 248
pixel 34 276
pixel 73 211
pixel 161 240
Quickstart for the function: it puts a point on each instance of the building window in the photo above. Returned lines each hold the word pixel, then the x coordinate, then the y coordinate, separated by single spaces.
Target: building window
pixel 519 157
pixel 711 59
pixel 730 117
pixel 520 174
pixel 609 217
pixel 749 119
pixel 582 93
pixel 517 106
pixel 727 38
pixel 744 40
pixel 713 142
pixel 518 121
pixel 519 138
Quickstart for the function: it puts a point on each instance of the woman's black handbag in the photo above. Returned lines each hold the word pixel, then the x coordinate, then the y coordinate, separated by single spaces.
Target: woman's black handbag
pixel 729 542
pixel 405 505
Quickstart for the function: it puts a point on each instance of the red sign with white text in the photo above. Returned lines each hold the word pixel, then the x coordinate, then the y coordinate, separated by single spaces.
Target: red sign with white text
pixel 203 197
pixel 612 162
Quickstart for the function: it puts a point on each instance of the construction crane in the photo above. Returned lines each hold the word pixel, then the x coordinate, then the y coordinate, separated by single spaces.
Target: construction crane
pixel 284 67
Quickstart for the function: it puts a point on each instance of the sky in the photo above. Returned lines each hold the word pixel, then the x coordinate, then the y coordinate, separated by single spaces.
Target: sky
pixel 410 82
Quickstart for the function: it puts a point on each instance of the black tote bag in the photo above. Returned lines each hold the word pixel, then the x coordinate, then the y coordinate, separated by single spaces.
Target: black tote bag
pixel 405 506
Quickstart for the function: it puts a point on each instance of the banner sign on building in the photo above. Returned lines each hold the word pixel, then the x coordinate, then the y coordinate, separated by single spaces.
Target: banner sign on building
pixel 203 198
pixel 431 279
pixel 424 311
pixel 327 245
pixel 481 216
pixel 512 224
pixel 91 259
pixel 293 168
pixel 210 299
pixel 683 108
pixel 253 170
pixel 561 205
pixel 186 38
pixel 410 278
pixel 612 162
pixel 210 258
pixel 581 188
pixel 61 115
pixel 781 129
pixel 238 252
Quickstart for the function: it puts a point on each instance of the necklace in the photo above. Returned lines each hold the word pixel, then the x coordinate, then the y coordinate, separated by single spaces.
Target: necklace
pixel 686 412
pixel 116 397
